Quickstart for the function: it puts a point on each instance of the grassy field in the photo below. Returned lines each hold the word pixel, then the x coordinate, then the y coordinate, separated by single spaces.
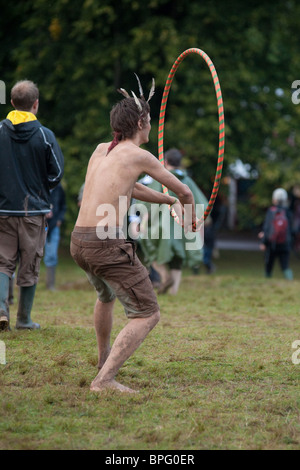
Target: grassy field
pixel 216 372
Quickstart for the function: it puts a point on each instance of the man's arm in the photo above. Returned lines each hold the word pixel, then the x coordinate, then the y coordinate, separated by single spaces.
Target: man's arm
pixel 154 168
pixel 55 160
pixel 143 193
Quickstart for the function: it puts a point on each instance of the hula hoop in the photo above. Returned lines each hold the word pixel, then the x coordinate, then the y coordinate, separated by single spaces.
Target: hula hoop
pixel 221 125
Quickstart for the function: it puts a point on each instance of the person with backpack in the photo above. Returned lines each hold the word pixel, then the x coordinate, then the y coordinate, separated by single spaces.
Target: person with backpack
pixel 277 234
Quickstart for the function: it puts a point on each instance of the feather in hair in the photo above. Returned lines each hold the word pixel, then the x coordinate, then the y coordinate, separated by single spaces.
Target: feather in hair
pixel 137 102
pixel 140 87
pixel 152 91
pixel 123 92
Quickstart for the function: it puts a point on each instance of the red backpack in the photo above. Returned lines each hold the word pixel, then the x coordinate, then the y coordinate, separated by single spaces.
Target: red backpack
pixel 279 225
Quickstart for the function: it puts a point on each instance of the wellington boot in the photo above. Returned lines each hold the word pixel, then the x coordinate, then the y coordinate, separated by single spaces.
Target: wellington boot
pixel 24 321
pixel 4 308
pixel 288 274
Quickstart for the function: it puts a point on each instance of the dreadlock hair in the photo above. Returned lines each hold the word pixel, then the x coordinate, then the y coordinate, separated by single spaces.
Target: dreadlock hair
pixel 124 118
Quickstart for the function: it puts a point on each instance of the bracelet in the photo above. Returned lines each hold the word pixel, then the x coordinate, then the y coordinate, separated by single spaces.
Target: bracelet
pixel 176 200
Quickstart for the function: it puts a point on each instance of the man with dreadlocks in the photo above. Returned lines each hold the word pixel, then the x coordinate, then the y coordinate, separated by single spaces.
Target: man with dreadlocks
pixel 98 244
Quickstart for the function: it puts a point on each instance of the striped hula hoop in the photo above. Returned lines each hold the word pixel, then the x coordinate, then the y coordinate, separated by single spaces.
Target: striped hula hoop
pixel 221 126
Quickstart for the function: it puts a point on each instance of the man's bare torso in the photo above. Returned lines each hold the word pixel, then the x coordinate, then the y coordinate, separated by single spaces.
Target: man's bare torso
pixel 108 178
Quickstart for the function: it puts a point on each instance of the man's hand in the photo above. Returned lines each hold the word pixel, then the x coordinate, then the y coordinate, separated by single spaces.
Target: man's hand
pixel 179 211
pixel 262 246
pixel 195 227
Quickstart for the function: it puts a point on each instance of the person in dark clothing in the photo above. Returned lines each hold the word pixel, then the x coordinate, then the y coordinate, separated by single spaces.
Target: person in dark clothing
pixel 210 234
pixel 295 211
pixel 31 164
pixel 54 218
pixel 277 234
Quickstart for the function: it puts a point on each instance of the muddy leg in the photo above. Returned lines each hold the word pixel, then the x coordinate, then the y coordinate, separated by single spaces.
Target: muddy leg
pixel 103 320
pixel 128 340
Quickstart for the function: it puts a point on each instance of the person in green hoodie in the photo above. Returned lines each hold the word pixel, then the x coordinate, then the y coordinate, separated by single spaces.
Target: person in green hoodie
pixel 31 164
pixel 169 254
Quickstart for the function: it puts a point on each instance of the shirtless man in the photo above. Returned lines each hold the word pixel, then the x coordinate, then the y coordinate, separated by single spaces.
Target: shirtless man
pixel 98 244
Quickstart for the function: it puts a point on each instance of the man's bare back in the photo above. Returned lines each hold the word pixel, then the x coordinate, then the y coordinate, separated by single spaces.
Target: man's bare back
pixel 107 179
pixel 113 176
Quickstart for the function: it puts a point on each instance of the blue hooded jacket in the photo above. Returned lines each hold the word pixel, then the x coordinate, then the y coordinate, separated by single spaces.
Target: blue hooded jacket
pixel 31 163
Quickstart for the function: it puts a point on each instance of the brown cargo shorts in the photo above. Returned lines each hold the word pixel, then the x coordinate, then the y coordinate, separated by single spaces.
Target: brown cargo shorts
pixel 115 271
pixel 22 241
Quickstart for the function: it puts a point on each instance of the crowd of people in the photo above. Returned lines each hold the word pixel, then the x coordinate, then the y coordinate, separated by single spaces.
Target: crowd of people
pixel 33 207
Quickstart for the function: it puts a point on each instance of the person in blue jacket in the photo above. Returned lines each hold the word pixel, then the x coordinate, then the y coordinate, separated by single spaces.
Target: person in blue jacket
pixel 54 218
pixel 32 164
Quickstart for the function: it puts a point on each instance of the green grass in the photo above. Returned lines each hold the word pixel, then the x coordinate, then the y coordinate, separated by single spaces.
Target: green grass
pixel 216 372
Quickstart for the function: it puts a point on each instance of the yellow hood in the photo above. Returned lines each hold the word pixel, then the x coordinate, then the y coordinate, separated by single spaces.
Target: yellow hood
pixel 17 117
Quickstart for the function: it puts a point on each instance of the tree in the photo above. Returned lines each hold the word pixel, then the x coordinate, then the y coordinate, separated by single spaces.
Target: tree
pixel 80 52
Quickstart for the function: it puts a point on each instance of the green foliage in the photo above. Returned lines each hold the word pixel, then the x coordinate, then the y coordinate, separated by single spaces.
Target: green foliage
pixel 79 52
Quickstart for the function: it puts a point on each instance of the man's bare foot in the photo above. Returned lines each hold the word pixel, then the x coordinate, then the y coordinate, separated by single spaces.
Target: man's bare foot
pixel 112 384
